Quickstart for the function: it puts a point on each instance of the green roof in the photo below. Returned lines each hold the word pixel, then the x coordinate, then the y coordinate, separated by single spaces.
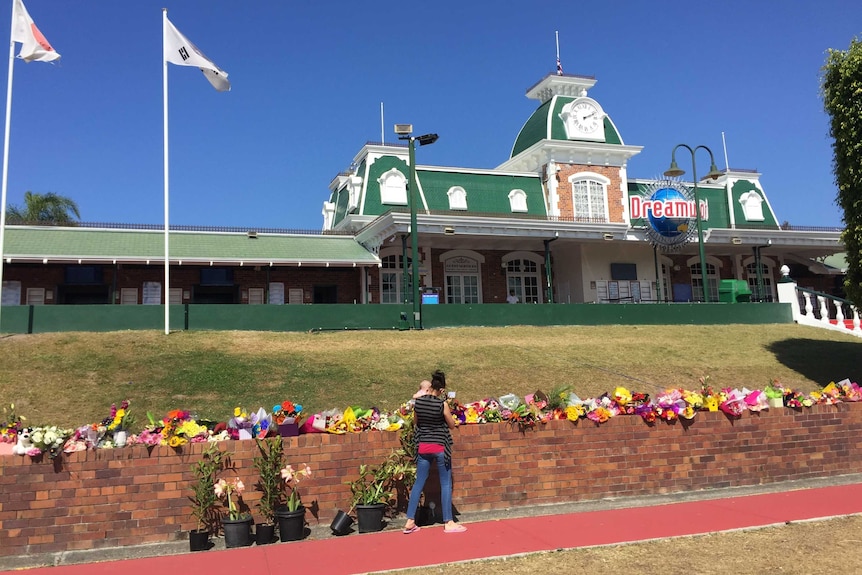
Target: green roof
pixel 538 128
pixel 487 191
pixel 139 245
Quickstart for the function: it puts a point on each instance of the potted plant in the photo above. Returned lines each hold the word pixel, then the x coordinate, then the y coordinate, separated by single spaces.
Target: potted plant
pixel 269 464
pixel 291 515
pixel 237 523
pixel 374 490
pixel 204 498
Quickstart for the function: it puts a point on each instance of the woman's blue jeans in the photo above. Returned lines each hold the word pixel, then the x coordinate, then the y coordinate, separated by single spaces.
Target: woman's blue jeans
pixel 423 467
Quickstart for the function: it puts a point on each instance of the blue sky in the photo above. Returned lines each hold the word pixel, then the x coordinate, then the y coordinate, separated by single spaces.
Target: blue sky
pixel 308 79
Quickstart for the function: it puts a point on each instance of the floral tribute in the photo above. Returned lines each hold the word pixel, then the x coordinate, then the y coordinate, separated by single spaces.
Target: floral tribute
pixel 180 427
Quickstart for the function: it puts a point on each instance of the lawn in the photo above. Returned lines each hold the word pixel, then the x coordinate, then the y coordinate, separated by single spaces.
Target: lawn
pixel 69 379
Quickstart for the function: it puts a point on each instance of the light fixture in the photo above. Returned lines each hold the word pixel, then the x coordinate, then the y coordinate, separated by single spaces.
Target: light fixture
pixel 252 235
pixel 736 241
pixel 675 171
pixel 449 230
pixel 608 236
pixel 404 131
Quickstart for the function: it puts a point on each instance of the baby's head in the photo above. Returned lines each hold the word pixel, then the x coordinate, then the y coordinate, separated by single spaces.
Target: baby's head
pixel 424 385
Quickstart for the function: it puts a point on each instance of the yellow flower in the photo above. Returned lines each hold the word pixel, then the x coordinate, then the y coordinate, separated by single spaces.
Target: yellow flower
pixel 177 441
pixel 574 412
pixel 622 395
pixel 237 411
pixel 711 403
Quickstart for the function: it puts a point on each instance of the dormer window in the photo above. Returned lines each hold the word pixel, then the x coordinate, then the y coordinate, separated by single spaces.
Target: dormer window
pixel 518 201
pixel 393 188
pixel 752 206
pixel 457 198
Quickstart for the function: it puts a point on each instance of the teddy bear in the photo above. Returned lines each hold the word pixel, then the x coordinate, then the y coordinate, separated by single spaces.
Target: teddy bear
pixel 24 443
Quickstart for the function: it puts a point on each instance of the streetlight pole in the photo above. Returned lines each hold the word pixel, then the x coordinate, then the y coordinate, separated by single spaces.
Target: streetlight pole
pixel 404 131
pixel 675 171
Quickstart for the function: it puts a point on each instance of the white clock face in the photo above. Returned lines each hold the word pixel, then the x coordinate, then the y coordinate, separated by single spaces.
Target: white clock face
pixel 586 117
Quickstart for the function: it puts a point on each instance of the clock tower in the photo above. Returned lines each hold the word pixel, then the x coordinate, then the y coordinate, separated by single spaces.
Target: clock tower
pixel 574 144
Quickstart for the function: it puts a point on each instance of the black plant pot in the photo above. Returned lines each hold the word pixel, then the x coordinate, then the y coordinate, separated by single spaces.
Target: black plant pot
pixel 237 532
pixel 341 524
pixel 264 533
pixel 199 540
pixel 291 524
pixel 370 517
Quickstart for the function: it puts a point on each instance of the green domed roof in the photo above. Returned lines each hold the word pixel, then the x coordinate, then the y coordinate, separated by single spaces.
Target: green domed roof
pixel 546 123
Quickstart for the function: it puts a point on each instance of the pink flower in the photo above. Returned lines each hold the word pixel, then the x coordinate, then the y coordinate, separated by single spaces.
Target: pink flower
pixel 220 487
pixel 287 473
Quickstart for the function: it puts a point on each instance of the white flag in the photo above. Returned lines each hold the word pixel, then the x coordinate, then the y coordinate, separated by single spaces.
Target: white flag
pixel 34 46
pixel 179 50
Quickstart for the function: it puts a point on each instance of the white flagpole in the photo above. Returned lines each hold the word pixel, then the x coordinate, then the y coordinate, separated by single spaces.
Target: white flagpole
pixel 382 134
pixel 165 106
pixel 724 144
pixel 6 152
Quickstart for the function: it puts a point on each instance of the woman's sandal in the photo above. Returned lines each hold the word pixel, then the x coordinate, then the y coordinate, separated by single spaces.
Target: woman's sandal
pixel 413 529
pixel 456 529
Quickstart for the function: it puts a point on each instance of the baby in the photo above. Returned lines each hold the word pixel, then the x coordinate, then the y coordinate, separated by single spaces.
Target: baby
pixel 424 388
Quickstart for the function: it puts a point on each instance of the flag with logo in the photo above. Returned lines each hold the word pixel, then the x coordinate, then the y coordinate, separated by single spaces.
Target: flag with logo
pixel 180 51
pixel 34 46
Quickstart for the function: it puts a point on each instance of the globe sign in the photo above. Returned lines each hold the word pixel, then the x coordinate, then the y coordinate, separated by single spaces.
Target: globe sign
pixel 665 226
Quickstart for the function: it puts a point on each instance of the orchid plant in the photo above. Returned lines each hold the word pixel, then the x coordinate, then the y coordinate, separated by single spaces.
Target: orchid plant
pixel 291 479
pixel 224 489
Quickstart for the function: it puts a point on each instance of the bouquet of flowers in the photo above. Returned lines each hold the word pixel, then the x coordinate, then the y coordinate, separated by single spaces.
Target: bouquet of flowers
pixel 10 426
pixel 49 439
pixel 120 419
pixel 245 425
pixel 287 412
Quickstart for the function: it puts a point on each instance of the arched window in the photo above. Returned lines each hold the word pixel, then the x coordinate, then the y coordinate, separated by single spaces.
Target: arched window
pixel 462 276
pixel 518 201
pixel 392 284
pixel 697 281
pixel 457 198
pixel 589 197
pixel 766 266
pixel 393 188
pixel 523 276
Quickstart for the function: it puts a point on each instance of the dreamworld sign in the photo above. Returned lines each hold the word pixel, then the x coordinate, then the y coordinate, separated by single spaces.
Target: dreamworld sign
pixel 670 212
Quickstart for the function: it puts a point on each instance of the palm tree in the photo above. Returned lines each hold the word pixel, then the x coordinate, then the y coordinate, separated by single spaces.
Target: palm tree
pixel 47 208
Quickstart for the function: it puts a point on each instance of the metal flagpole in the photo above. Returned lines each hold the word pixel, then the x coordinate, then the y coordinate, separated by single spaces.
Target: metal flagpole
pixel 382 137
pixel 6 155
pixel 165 105
pixel 724 144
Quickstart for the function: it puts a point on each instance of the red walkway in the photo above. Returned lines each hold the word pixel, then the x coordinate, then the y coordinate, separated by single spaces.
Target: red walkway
pixel 370 552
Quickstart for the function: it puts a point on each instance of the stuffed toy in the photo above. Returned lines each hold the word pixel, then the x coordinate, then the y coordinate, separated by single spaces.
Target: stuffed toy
pixel 24 444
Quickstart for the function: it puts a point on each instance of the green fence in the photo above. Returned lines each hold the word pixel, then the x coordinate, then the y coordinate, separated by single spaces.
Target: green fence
pixel 57 318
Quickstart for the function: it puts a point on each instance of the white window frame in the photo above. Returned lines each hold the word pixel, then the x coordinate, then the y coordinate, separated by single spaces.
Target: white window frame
pixel 712 276
pixel 393 188
pixel 596 208
pixel 450 295
pixel 518 201
pixel 457 198
pixel 516 274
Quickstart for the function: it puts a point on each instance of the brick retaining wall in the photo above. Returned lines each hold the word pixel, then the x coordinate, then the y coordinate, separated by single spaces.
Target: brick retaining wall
pixel 135 495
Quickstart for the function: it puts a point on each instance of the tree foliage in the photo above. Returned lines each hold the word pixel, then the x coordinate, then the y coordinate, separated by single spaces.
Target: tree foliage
pixel 842 97
pixel 47 208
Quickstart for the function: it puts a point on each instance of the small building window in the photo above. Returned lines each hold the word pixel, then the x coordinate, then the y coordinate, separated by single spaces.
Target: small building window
pixel 457 198
pixel 518 201
pixel 393 188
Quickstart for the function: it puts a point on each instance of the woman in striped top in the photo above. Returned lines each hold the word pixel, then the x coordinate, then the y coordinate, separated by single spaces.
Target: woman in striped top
pixel 432 422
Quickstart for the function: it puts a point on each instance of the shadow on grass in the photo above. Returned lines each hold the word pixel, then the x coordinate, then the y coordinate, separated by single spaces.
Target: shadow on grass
pixel 820 361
